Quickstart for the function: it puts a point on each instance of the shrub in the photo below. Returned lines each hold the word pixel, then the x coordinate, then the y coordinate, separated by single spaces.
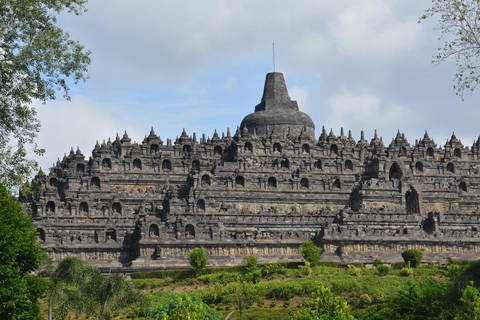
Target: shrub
pixel 357 264
pixel 181 306
pixel 354 271
pixel 413 256
pixel 198 260
pixel 254 276
pixel 407 271
pixel 251 263
pixel 379 296
pixel 383 270
pixel 377 263
pixel 286 304
pixel 306 270
pixel 273 304
pixel 324 305
pixel 270 269
pixel 399 265
pixel 365 300
pixel 330 264
pixel 310 251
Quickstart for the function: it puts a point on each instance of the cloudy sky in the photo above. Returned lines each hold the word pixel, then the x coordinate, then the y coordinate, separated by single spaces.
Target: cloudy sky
pixel 201 65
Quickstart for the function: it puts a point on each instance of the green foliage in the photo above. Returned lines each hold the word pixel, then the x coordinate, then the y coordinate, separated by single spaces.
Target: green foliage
pixel 413 256
pixel 399 265
pixel 469 307
pixel 354 271
pixel 377 262
pixel 20 254
pixel 306 270
pixel 251 263
pixel 383 270
pixel 464 277
pixel 198 259
pixel 365 300
pixel 85 289
pixel 36 58
pixel 324 306
pixel 270 269
pixel 407 271
pixel 182 307
pixel 458 20
pixel 254 276
pixel 310 251
pixel 242 295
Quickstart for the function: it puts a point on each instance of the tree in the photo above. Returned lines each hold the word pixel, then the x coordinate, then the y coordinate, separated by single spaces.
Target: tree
pixel 36 58
pixel 184 306
pixel 324 306
pixel 458 19
pixel 20 254
pixel 84 288
pixel 310 251
pixel 198 260
pixel 413 256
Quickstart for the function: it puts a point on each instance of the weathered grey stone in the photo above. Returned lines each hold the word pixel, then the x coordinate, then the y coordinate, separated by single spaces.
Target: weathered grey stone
pixel 262 191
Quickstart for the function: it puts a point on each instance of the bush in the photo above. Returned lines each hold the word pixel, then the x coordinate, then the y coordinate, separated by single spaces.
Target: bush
pixel 399 265
pixel 377 263
pixel 310 251
pixel 306 270
pixel 269 269
pixel 324 305
pixel 273 304
pixel 413 256
pixel 330 264
pixel 254 276
pixel 250 263
pixel 407 271
pixel 383 270
pixel 365 300
pixel 198 260
pixel 181 306
pixel 354 271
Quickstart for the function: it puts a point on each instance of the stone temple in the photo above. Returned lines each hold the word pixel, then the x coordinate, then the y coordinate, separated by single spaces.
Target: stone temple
pixel 262 190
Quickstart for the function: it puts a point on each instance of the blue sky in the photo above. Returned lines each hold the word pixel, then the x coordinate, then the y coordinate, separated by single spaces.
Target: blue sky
pixel 201 65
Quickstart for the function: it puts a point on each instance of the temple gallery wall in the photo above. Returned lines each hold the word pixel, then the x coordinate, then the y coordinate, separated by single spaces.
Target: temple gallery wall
pixel 263 189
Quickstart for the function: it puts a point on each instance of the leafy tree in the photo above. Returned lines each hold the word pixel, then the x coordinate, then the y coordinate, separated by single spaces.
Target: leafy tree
pixel 198 259
pixel 184 306
pixel 20 254
pixel 458 20
pixel 468 274
pixel 324 306
pixel 310 251
pixel 36 58
pixel 413 256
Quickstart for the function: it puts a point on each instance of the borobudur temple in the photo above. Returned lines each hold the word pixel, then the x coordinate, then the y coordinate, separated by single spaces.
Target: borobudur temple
pixel 263 190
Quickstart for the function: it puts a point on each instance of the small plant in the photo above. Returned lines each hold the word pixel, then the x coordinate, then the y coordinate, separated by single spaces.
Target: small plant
pixel 383 270
pixel 365 300
pixel 399 265
pixel 220 307
pixel 407 271
pixel 310 251
pixel 413 256
pixel 273 304
pixel 354 271
pixel 306 269
pixel 377 263
pixel 286 304
pixel 379 296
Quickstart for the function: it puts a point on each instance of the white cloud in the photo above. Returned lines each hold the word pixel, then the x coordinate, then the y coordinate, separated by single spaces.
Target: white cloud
pixel 370 27
pixel 359 111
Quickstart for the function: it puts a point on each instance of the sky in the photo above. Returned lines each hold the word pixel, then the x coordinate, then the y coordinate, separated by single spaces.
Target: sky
pixel 201 65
